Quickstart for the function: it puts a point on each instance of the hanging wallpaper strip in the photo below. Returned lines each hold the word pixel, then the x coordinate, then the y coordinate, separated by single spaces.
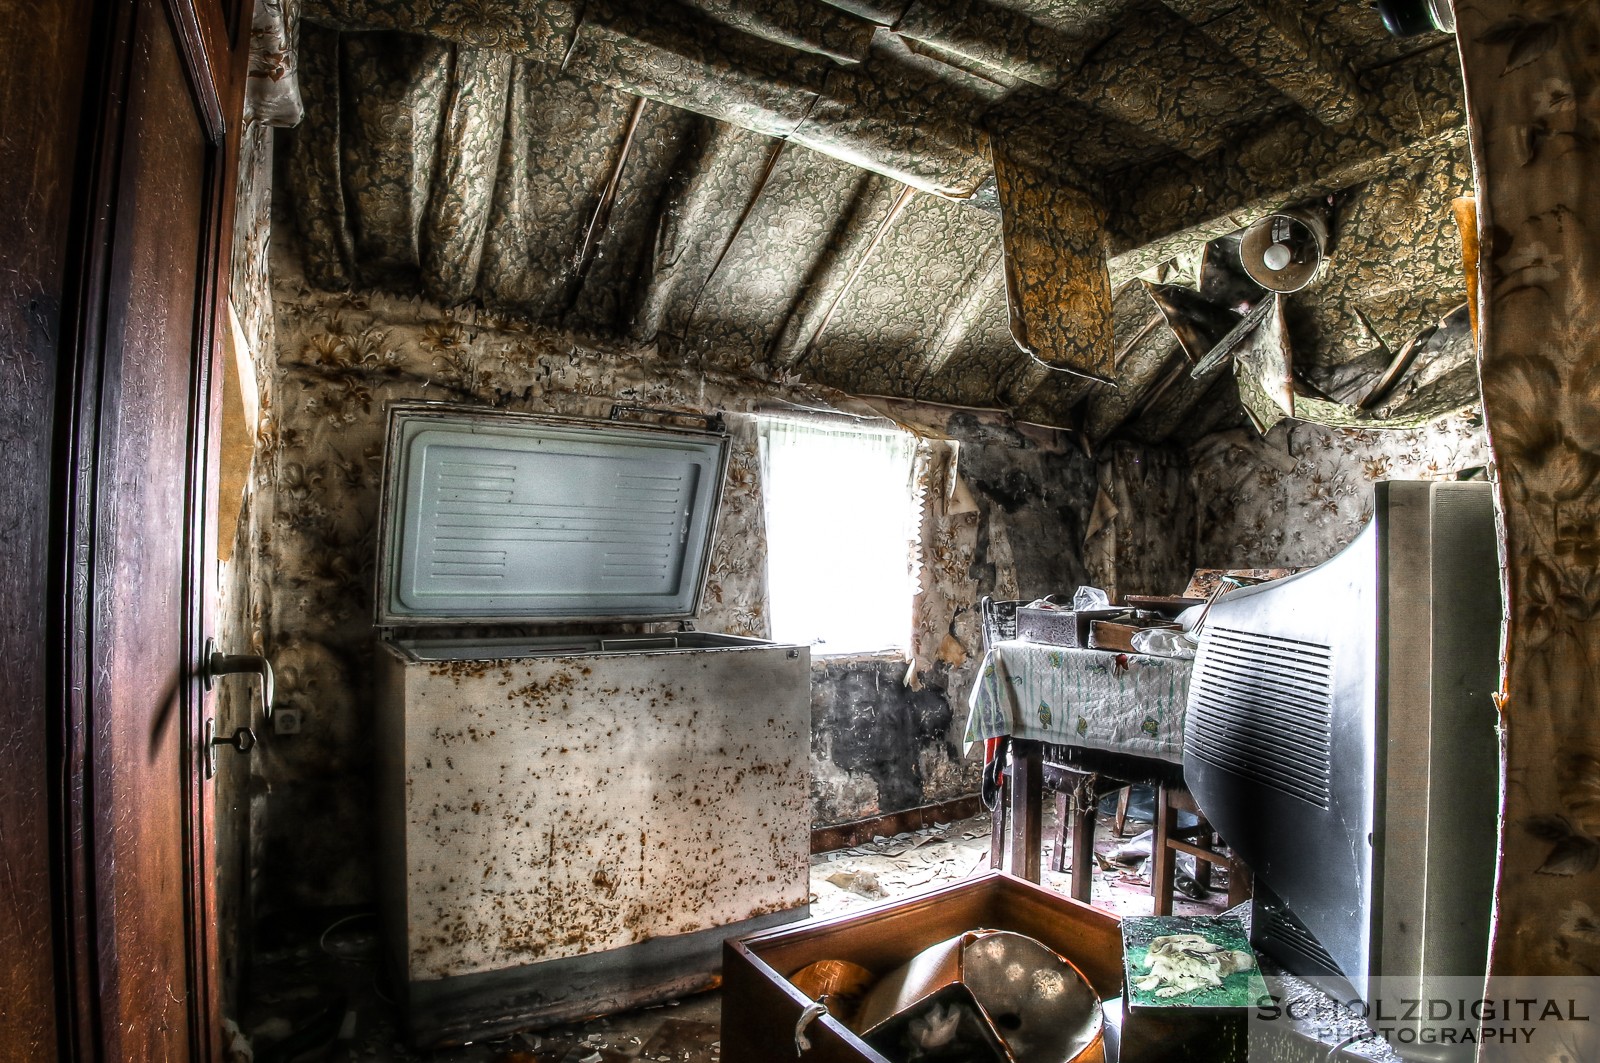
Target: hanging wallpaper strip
pixel 1141 353
pixel 1056 283
pixel 273 91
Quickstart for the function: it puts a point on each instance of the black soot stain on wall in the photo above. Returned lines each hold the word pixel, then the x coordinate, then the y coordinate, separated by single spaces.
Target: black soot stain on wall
pixel 875 725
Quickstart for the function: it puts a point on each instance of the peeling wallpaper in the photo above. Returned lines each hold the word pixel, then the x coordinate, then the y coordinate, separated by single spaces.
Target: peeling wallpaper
pixel 1297 496
pixel 238 803
pixel 995 506
pixel 1008 511
pixel 1395 258
pixel 1136 538
pixel 1533 84
pixel 1013 512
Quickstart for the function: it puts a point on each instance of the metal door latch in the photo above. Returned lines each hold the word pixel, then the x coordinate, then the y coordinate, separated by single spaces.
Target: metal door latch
pixel 243 740
pixel 218 664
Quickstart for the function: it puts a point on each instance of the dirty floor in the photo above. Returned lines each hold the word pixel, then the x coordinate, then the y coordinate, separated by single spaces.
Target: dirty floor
pixel 319 991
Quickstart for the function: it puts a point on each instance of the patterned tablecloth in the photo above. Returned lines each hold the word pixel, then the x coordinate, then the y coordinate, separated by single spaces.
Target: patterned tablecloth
pixel 1122 702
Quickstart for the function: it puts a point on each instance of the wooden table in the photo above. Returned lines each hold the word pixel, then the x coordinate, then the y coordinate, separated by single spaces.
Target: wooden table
pixel 1108 719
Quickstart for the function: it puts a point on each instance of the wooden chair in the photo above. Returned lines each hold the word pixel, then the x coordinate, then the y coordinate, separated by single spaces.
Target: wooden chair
pixel 1169 841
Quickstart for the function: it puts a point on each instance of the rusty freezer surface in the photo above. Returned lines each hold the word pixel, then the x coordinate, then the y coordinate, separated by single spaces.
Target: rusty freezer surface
pixel 536 808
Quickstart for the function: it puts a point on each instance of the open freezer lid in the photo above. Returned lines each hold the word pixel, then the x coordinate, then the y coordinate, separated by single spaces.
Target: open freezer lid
pixel 499 517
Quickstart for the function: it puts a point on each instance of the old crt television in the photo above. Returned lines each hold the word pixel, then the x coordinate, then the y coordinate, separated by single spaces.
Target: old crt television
pixel 1341 738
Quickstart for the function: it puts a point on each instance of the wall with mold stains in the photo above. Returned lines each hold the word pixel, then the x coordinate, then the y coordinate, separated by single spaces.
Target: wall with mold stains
pixel 1013 512
pixel 1298 495
pixel 1004 513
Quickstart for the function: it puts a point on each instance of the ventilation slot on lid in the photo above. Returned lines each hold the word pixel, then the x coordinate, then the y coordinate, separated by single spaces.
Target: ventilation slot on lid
pixel 515 516
pixel 1261 706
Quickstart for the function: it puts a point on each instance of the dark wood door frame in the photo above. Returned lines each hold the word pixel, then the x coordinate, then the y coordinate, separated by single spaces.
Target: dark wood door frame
pixel 81 811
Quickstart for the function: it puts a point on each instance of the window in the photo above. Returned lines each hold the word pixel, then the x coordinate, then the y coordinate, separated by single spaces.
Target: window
pixel 841 520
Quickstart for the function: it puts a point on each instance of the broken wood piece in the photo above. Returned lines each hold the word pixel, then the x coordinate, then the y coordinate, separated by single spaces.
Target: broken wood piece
pixel 1397 368
pixel 1197 322
pixel 1264 365
pixel 1226 346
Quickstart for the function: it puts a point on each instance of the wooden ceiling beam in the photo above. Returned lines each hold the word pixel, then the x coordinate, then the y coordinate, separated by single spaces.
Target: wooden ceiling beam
pixel 1172 83
pixel 994 37
pixel 1275 41
pixel 1158 211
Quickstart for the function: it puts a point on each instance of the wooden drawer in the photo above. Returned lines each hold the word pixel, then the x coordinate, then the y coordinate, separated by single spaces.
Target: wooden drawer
pixel 760 1007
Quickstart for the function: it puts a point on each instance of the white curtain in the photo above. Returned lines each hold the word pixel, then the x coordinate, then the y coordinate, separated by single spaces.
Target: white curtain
pixel 840 531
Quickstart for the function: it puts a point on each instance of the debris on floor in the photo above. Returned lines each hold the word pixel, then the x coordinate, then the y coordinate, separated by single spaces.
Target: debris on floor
pixel 320 993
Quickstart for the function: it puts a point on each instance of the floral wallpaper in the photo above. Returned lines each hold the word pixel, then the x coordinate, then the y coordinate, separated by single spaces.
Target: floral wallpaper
pixel 736 185
pixel 239 620
pixel 1277 42
pixel 273 90
pixel 993 497
pixel 1394 266
pixel 1418 113
pixel 906 122
pixel 1136 540
pixel 1171 82
pixel 673 55
pixel 1295 497
pixel 1533 90
pixel 1057 288
pixel 1000 38
pixel 471 177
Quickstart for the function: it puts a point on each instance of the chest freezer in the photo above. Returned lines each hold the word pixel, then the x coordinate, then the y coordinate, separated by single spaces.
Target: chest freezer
pixel 570 824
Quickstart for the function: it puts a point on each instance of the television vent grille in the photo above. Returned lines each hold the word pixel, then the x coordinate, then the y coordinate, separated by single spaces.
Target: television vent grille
pixel 1261 706
pixel 1287 933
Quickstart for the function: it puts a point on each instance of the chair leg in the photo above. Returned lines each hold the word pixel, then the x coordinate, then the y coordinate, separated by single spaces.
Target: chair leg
pixel 1058 851
pixel 1083 813
pixel 1202 868
pixel 1122 810
pixel 1240 883
pixel 997 826
pixel 1164 859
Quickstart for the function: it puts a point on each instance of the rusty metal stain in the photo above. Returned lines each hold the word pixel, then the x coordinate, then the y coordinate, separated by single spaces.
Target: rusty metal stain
pixel 553 808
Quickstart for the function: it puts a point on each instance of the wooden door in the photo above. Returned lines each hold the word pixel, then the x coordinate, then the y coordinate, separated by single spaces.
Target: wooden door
pixel 108 333
pixel 42 63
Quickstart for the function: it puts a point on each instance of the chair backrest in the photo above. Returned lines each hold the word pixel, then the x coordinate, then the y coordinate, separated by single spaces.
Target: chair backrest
pixel 999 620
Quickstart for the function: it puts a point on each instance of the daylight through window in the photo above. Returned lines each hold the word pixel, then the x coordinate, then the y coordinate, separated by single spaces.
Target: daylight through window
pixel 841 522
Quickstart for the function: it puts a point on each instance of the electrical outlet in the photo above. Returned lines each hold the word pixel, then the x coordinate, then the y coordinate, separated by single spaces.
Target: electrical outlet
pixel 286 722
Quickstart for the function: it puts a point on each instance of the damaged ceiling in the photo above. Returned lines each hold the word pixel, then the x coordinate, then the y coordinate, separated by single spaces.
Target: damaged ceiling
pixel 844 192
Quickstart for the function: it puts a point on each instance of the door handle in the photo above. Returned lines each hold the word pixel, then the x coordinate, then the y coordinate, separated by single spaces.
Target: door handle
pixel 218 664
pixel 243 740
